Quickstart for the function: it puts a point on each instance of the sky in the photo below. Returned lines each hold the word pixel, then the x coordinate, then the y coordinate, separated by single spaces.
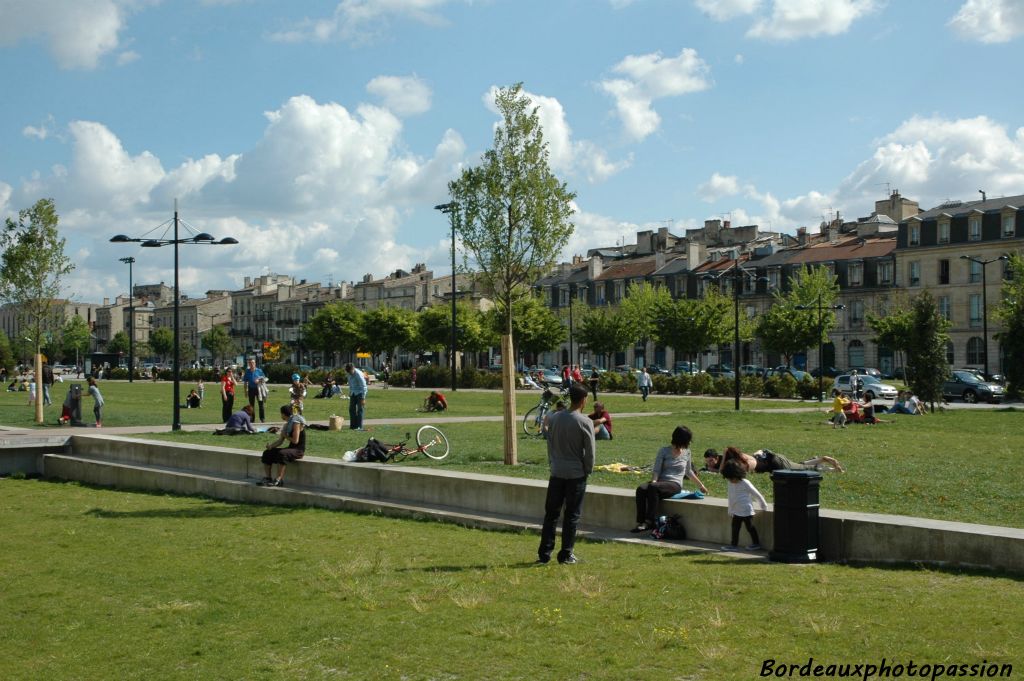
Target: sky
pixel 321 134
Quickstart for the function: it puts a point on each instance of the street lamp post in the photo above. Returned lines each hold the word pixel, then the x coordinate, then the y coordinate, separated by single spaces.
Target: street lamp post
pixel 196 238
pixel 736 273
pixel 821 341
pixel 984 303
pixel 450 209
pixel 131 320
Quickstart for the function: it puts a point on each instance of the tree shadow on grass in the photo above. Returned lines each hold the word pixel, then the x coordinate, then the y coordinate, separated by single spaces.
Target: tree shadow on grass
pixel 209 509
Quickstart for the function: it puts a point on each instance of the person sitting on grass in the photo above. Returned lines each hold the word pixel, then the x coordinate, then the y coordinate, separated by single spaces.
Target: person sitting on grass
pixel 435 402
pixel 193 401
pixel 602 422
pixel 293 434
pixel 765 461
pixel 240 423
pixel 741 504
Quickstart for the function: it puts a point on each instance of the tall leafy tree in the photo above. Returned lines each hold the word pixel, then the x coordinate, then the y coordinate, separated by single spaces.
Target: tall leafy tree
pixel 689 326
pixel 218 342
pixel 161 341
pixel 434 328
pixel 787 330
pixel 512 215
pixel 535 326
pixel 32 269
pixel 640 310
pixel 74 338
pixel 7 358
pixel 388 328
pixel 119 343
pixel 927 369
pixel 894 328
pixel 1011 313
pixel 603 331
pixel 335 328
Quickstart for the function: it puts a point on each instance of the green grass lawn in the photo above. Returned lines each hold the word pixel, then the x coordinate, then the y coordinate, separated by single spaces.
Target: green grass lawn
pixel 956 465
pixel 102 584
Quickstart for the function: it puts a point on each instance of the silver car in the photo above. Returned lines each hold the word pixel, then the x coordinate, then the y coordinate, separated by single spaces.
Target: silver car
pixel 870 387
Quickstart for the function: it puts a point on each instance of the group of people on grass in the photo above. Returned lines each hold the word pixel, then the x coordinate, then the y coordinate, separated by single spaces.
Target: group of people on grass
pixel 845 410
pixel 571 445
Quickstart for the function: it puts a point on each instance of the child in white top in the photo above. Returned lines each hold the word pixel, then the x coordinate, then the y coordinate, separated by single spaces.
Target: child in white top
pixel 741 504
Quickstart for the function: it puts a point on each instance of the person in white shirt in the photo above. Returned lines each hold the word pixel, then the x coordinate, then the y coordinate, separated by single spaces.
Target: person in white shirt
pixel 741 504
pixel 643 381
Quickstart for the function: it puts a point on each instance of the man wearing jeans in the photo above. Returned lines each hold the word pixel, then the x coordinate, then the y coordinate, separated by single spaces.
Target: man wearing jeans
pixel 356 396
pixel 571 457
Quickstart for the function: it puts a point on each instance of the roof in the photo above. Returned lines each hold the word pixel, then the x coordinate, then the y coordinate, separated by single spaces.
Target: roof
pixel 850 248
pixel 628 269
pixel 674 266
pixel 959 209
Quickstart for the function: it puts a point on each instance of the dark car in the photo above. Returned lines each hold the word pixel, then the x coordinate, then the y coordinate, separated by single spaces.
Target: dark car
pixel 654 369
pixel 686 368
pixel 829 372
pixel 720 371
pixel 797 374
pixel 988 378
pixel 970 387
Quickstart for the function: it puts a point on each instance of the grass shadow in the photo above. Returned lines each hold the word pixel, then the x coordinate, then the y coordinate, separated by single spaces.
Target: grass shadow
pixel 210 509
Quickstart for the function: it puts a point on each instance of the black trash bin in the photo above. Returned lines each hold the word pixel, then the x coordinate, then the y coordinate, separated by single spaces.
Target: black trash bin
pixel 796 516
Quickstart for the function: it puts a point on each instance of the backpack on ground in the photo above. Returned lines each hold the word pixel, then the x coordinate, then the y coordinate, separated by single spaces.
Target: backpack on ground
pixel 374 450
pixel 669 527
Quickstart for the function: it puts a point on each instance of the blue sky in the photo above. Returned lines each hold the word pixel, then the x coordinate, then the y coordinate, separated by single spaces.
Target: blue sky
pixel 321 133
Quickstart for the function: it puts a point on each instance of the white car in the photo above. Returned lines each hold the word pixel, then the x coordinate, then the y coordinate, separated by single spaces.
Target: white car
pixel 871 387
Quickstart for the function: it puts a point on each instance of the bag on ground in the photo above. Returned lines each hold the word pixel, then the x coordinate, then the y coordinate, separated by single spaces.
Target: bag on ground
pixel 669 527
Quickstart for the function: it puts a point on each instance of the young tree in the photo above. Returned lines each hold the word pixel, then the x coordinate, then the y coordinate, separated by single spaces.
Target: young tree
pixel 119 343
pixel 217 341
pixel 1011 313
pixel 894 329
pixel 603 331
pixel 32 268
pixel 388 328
pixel 640 310
pixel 689 325
pixel 926 349
pixel 6 353
pixel 512 214
pixel 434 329
pixel 162 342
pixel 787 330
pixel 335 328
pixel 74 338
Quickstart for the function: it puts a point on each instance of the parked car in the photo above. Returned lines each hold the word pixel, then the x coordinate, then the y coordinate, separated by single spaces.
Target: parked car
pixel 654 369
pixel 549 376
pixel 971 388
pixel 720 371
pixel 871 387
pixel 867 372
pixel 686 368
pixel 751 370
pixel 797 374
pixel 990 378
pixel 830 372
pixel 587 369
pixel 625 370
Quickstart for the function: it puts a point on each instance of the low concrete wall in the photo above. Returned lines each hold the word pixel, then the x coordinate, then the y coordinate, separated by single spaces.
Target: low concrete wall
pixel 226 474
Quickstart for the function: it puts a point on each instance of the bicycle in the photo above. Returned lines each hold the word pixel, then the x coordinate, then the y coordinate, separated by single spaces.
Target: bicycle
pixel 533 422
pixel 430 441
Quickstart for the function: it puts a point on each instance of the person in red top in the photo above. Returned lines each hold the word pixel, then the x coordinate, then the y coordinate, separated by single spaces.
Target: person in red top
pixel 227 393
pixel 602 422
pixel 566 375
pixel 577 375
pixel 436 402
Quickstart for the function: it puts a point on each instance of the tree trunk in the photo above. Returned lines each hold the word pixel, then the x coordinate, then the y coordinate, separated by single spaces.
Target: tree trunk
pixel 508 389
pixel 40 418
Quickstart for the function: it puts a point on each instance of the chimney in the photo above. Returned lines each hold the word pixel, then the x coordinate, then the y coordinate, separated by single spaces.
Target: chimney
pixel 659 260
pixel 248 282
pixel 595 267
pixel 801 235
pixel 726 224
pixel 106 301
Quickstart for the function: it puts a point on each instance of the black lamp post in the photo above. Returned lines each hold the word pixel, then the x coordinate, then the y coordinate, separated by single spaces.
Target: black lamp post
pixel 984 303
pixel 736 273
pixel 131 320
pixel 196 238
pixel 450 209
pixel 821 341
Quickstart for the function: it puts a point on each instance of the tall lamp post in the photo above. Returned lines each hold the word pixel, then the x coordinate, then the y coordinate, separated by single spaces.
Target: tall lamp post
pixel 450 210
pixel 131 320
pixel 984 303
pixel 196 238
pixel 736 273
pixel 821 341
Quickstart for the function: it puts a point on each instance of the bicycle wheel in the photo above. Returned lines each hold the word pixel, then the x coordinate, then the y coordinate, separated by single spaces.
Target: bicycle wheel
pixel 534 420
pixel 432 442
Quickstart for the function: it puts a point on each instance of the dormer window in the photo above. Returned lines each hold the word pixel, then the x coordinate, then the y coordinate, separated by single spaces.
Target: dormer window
pixel 856 274
pixel 944 232
pixel 974 228
pixel 915 234
pixel 1009 225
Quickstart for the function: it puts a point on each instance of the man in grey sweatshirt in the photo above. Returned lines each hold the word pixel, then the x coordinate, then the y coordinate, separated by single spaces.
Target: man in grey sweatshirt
pixel 571 457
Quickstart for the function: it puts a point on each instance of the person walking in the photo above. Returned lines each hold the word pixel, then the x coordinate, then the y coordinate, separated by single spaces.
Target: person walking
pixel 356 396
pixel 47 383
pixel 643 381
pixel 571 447
pixel 594 379
pixel 227 394
pixel 254 379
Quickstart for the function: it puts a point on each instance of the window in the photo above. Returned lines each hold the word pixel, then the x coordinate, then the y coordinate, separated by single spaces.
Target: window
pixel 974 229
pixel 855 354
pixel 976 311
pixel 915 274
pixel 1009 226
pixel 915 234
pixel 974 273
pixel 774 276
pixel 885 273
pixel 944 232
pixel 943 271
pixel 975 351
pixel 950 353
pixel 857 313
pixel 618 291
pixel 563 297
pixel 856 274
pixel 943 304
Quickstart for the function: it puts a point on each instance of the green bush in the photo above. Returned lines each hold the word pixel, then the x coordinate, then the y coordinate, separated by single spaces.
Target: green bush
pixel 780 386
pixel 682 383
pixel 808 388
pixel 701 384
pixel 752 386
pixel 664 385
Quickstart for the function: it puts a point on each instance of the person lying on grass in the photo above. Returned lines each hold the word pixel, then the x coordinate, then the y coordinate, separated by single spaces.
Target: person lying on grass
pixel 765 461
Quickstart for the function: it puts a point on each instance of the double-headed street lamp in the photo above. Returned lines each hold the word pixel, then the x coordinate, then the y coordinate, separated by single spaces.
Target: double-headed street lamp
pixel 450 209
pixel 196 238
pixel 821 341
pixel 737 274
pixel 984 303
pixel 131 320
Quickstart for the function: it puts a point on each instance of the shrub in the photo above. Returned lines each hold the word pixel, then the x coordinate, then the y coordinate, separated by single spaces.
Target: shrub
pixel 663 384
pixel 752 386
pixel 701 384
pixel 683 382
pixel 808 389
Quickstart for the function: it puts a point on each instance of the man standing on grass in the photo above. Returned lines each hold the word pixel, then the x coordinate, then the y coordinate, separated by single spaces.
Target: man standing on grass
pixel 571 457
pixel 356 396
pixel 255 380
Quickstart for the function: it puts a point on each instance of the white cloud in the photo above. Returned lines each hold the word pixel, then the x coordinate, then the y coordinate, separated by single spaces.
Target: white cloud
pixel 723 10
pixel 403 95
pixel 650 77
pixel 989 21
pixel 738 59
pixel 361 20
pixel 717 187
pixel 5 197
pixel 41 131
pixel 792 19
pixel 566 155
pixel 127 57
pixel 77 34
